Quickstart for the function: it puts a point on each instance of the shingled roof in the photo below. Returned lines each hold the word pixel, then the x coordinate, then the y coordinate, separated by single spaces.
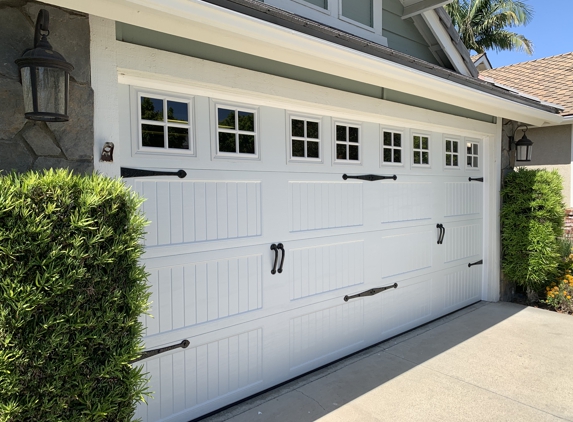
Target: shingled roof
pixel 550 79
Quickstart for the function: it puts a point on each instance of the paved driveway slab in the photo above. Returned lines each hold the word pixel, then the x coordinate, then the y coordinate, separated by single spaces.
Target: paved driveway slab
pixel 487 362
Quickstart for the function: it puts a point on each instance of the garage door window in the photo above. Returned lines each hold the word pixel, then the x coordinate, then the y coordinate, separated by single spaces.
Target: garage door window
pixel 347 144
pixel 452 153
pixel 391 147
pixel 164 124
pixel 472 156
pixel 421 150
pixel 236 132
pixel 304 139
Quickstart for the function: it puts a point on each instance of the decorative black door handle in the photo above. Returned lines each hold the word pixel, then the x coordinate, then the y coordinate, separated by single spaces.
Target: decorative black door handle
pixel 147 354
pixel 442 230
pixel 443 234
pixel 281 247
pixel 127 172
pixel 369 177
pixel 480 262
pixel 371 292
pixel 276 249
pixel 476 179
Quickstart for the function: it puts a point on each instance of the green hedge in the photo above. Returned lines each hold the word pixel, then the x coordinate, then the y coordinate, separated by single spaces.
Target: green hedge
pixel 532 221
pixel 71 292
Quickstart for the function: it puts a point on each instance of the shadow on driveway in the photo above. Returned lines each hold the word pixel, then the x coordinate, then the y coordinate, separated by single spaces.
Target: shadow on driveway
pixel 489 361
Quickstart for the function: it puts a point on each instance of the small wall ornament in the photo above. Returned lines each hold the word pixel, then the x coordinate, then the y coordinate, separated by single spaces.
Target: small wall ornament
pixel 107 152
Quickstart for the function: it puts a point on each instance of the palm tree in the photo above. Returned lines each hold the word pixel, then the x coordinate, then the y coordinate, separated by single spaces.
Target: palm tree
pixel 482 24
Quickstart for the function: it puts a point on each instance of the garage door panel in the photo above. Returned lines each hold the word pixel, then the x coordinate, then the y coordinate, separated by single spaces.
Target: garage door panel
pixel 461 242
pixel 463 199
pixel 195 293
pixel 320 336
pixel 324 268
pixel 404 307
pixel 407 251
pixel 458 287
pixel 202 373
pixel 197 211
pixel 402 202
pixel 318 205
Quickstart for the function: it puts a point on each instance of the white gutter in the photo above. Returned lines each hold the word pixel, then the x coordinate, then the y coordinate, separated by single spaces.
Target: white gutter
pixel 204 22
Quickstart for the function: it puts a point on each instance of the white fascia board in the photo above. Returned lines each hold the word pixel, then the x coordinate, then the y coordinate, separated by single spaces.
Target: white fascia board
pixel 214 25
pixel 423 6
pixel 433 22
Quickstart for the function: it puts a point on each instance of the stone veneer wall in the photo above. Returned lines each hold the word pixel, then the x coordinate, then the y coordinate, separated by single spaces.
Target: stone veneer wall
pixel 25 144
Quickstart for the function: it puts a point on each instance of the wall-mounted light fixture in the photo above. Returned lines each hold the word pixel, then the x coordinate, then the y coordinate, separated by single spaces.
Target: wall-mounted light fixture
pixel 523 147
pixel 45 77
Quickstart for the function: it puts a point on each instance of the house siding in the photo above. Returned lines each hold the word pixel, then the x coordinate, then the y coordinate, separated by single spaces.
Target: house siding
pixel 402 34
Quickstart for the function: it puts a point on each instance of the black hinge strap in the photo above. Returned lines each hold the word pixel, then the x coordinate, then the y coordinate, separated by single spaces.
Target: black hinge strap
pixel 128 172
pixel 370 177
pixel 480 262
pixel 475 179
pixel 371 292
pixel 148 353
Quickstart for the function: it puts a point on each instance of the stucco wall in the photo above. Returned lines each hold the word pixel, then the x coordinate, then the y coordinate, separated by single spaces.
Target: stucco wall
pixel 26 144
pixel 552 150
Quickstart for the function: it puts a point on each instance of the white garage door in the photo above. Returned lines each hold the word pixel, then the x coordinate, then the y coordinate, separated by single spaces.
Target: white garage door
pixel 252 254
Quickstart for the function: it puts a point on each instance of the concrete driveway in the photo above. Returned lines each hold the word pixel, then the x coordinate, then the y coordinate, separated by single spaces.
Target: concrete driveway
pixel 487 362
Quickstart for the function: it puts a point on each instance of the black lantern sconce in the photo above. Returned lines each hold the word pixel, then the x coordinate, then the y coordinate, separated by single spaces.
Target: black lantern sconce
pixel 45 77
pixel 523 147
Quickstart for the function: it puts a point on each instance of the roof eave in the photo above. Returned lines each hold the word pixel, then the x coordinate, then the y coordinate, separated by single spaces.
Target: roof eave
pixel 324 49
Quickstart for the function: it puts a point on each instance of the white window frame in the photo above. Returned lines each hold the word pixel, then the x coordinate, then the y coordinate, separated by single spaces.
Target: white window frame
pixel 348 124
pixel 466 155
pixel 216 105
pixel 374 27
pixel 332 16
pixel 314 7
pixel 392 147
pixel 460 154
pixel 305 118
pixel 429 150
pixel 136 93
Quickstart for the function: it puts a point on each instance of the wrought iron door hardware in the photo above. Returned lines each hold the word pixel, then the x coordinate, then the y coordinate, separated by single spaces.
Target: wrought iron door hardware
pixel 480 262
pixel 275 248
pixel 475 179
pixel 371 292
pixel 147 354
pixel 369 177
pixel 441 234
pixel 280 246
pixel 128 172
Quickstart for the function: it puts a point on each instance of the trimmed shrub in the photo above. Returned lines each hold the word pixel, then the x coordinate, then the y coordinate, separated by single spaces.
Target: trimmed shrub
pixel 532 221
pixel 71 292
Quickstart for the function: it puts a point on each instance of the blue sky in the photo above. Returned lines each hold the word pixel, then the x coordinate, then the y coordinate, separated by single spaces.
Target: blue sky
pixel 551 31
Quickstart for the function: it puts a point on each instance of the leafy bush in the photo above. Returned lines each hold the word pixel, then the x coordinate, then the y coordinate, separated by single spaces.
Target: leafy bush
pixel 532 221
pixel 71 292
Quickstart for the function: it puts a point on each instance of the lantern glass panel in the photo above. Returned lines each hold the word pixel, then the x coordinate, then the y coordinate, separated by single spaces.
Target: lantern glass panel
pixel 51 84
pixel 27 87
pixel 524 153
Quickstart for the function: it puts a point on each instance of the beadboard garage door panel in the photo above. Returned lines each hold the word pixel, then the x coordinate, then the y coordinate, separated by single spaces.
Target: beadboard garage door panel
pixel 208 253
